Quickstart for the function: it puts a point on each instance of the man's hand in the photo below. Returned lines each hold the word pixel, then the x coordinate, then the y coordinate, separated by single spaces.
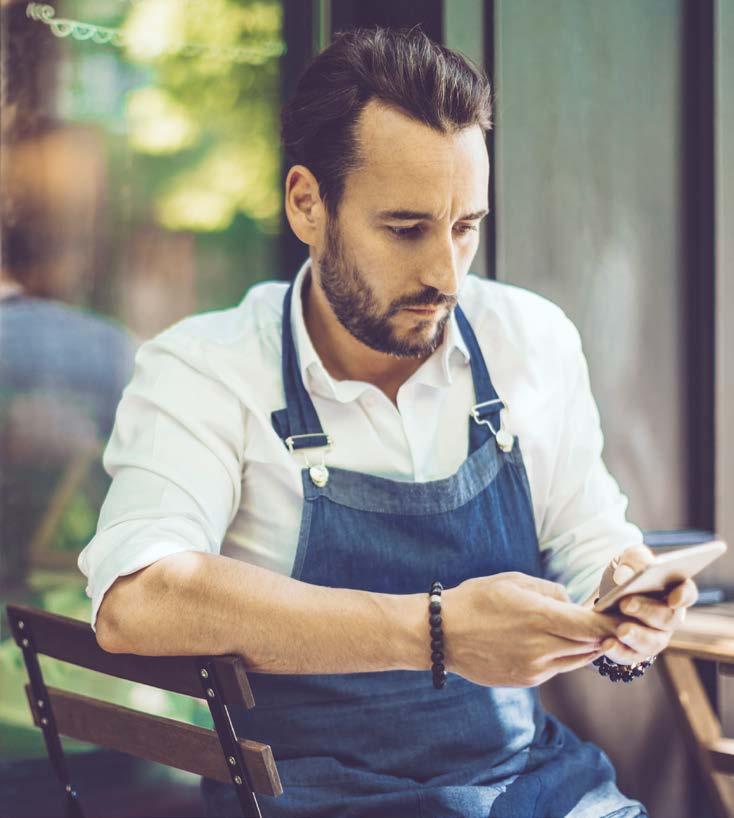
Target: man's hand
pixel 649 623
pixel 513 630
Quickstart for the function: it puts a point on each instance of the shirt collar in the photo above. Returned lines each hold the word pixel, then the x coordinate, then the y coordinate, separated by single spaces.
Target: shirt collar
pixel 435 371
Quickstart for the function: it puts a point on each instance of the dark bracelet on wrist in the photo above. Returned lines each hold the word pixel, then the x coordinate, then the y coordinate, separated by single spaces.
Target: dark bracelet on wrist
pixel 437 650
pixel 617 672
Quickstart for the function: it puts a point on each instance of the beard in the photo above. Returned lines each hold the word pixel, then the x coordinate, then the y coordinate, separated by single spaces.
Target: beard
pixel 355 305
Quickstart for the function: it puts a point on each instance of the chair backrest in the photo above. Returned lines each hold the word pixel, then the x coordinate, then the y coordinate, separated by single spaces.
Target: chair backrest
pixel 221 681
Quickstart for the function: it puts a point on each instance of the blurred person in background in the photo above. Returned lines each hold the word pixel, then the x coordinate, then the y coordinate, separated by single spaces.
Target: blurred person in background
pixel 62 367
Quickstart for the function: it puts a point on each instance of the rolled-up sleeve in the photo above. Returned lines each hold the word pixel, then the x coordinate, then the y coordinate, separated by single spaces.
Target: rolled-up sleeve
pixel 585 523
pixel 175 459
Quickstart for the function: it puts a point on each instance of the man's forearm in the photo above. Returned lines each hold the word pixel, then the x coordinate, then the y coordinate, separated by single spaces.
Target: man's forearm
pixel 204 604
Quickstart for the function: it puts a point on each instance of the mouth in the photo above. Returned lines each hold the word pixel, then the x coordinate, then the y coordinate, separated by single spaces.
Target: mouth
pixel 422 310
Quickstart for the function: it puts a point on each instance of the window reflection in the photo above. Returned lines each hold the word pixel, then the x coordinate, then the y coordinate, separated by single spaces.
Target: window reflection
pixel 141 183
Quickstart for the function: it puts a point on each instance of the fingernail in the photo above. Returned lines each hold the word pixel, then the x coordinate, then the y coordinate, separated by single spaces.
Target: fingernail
pixel 623 573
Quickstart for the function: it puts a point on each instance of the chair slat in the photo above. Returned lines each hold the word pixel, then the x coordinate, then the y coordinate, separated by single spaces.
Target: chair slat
pixel 162 740
pixel 722 755
pixel 72 640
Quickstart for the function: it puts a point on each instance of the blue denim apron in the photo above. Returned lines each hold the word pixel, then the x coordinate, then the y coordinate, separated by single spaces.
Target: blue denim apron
pixel 388 744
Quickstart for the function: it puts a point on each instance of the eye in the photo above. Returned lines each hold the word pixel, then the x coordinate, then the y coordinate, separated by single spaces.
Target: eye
pixel 405 232
pixel 415 231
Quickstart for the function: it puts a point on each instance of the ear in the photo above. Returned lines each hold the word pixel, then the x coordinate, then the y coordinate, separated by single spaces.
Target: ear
pixel 304 208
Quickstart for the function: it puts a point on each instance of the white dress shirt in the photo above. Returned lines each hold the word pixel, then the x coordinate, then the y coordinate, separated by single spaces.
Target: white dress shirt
pixel 196 464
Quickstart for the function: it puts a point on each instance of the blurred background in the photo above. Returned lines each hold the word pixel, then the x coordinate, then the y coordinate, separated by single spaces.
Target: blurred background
pixel 142 181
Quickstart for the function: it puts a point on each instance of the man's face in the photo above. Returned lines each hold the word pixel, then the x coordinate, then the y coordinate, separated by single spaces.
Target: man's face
pixel 393 261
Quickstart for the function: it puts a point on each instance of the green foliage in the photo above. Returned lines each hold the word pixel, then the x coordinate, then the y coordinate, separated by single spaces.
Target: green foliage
pixel 208 116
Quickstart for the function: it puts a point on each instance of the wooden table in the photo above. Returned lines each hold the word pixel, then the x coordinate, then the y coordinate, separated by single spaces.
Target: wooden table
pixel 707 634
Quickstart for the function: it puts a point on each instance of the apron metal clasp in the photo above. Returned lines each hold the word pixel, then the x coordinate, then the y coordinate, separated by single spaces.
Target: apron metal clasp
pixel 319 473
pixel 504 439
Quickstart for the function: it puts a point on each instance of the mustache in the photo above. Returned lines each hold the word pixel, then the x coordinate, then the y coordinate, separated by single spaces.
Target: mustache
pixel 428 298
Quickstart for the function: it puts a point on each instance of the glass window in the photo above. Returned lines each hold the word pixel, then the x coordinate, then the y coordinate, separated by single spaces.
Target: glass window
pixel 141 182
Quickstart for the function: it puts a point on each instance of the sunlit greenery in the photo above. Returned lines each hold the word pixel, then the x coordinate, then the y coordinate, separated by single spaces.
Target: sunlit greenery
pixel 189 104
pixel 214 109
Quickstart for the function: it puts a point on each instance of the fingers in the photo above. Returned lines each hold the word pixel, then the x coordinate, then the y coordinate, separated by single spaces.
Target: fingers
pixel 622 654
pixel 566 664
pixel 665 614
pixel 578 624
pixel 652 612
pixel 642 640
pixel 568 648
pixel 612 648
pixel 683 595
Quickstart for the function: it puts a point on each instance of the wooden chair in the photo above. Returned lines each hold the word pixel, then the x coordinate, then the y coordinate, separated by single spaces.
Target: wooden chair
pixel 707 635
pixel 219 680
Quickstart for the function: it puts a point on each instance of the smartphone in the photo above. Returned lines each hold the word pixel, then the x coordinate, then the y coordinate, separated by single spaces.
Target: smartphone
pixel 660 576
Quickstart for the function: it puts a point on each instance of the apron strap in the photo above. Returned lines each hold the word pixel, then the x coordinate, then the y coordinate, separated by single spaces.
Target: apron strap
pixel 488 405
pixel 298 425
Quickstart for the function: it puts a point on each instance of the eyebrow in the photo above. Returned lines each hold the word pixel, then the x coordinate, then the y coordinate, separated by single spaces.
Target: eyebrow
pixel 412 215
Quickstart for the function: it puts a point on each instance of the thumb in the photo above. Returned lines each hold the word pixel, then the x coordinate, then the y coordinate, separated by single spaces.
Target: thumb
pixel 630 561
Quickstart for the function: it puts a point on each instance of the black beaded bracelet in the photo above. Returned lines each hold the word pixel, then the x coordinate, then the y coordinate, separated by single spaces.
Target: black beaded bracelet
pixel 437 652
pixel 617 672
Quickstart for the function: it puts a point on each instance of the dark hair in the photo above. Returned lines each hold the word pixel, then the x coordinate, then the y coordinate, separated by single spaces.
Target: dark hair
pixel 402 68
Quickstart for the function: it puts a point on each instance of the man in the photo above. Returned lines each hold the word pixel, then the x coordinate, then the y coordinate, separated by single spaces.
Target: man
pixel 294 473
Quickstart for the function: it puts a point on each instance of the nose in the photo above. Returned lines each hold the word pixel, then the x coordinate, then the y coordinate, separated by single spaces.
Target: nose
pixel 440 268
